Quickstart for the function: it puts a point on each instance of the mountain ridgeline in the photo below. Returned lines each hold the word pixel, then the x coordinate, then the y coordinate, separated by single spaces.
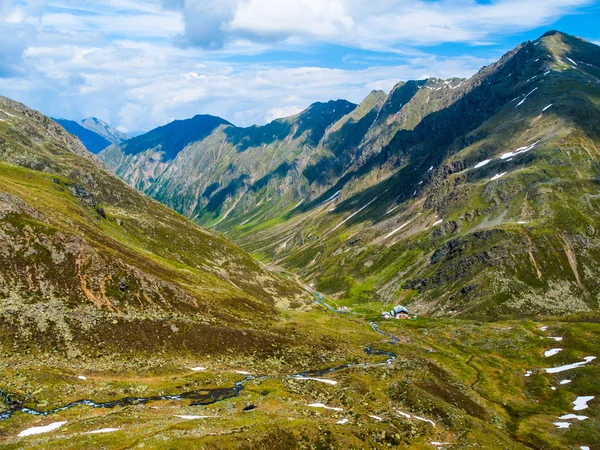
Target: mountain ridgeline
pixel 93 133
pixel 469 197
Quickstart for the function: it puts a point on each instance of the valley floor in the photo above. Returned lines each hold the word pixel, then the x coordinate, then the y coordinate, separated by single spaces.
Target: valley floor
pixel 452 384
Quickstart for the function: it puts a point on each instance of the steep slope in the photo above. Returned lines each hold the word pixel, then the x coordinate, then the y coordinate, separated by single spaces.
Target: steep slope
pixel 89 266
pixel 487 208
pixel 103 129
pixel 94 142
pixel 226 171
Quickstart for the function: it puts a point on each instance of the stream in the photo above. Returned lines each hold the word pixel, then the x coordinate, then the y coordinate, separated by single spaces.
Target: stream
pixel 205 396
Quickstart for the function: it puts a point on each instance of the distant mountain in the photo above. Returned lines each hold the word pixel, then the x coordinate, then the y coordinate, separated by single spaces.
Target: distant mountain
pixel 103 129
pixel 91 266
pixel 475 198
pixel 90 139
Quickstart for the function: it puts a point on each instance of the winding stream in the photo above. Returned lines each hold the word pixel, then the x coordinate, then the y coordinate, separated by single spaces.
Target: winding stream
pixel 205 396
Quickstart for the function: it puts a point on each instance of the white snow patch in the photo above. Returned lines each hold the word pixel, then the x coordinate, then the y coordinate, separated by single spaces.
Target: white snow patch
pixel 518 151
pixel 8 114
pixel 403 414
pixel 321 380
pixel 552 352
pixel 523 101
pixel 571 60
pixel 352 215
pixel 528 373
pixel 556 338
pixel 543 328
pixel 321 405
pixel 103 430
pixel 242 372
pixel 198 369
pixel 572 416
pixel 565 381
pixel 342 422
pixel 422 419
pixel 562 424
pixel 42 429
pixel 333 197
pixel 547 73
pixel 439 444
pixel 393 209
pixel 498 176
pixel 430 169
pixel 376 418
pixel 81 377
pixel 547 107
pixel 299 203
pixel 553 388
pixel 559 369
pixel 581 402
pixel 437 223
pixel 482 163
pixel 584 447
pixel 193 417
pixel 521 222
pixel 398 229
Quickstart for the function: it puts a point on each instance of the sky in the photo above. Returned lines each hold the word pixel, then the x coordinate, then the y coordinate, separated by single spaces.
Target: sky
pixel 139 64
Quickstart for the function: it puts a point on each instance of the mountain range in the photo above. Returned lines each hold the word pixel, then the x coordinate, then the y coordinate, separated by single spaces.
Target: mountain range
pixel 93 133
pixel 473 202
pixel 468 197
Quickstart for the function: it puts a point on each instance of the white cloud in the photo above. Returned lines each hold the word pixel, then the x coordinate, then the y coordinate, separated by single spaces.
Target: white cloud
pixel 364 23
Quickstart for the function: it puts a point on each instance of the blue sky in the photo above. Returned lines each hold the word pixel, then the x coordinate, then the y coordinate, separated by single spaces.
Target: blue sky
pixel 140 64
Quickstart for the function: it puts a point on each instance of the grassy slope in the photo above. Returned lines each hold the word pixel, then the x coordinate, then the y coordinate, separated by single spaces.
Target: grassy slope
pixel 527 241
pixel 91 267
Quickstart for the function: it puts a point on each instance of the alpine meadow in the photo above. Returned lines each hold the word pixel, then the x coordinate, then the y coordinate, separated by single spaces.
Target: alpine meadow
pixel 299 224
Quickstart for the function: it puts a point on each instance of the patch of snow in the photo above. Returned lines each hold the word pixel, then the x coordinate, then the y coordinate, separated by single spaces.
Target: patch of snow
pixel 519 151
pixel 376 418
pixel 559 369
pixel 333 197
pixel 393 209
pixel 482 163
pixel 342 422
pixel 565 381
pixel 321 380
pixel 352 215
pixel 562 424
pixel 103 430
pixel 543 328
pixel 8 114
pixel 81 377
pixel 403 414
pixel 547 73
pixel 528 373
pixel 439 444
pixel 321 405
pixel 430 169
pixel 42 429
pixel 299 203
pixel 572 61
pixel 581 403
pixel 398 229
pixel 242 372
pixel 584 447
pixel 553 388
pixel 552 352
pixel 572 416
pixel 198 369
pixel 498 176
pixel 422 419
pixel 548 106
pixel 437 223
pixel 556 338
pixel 193 417
pixel 420 182
pixel 523 101
pixel 521 222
